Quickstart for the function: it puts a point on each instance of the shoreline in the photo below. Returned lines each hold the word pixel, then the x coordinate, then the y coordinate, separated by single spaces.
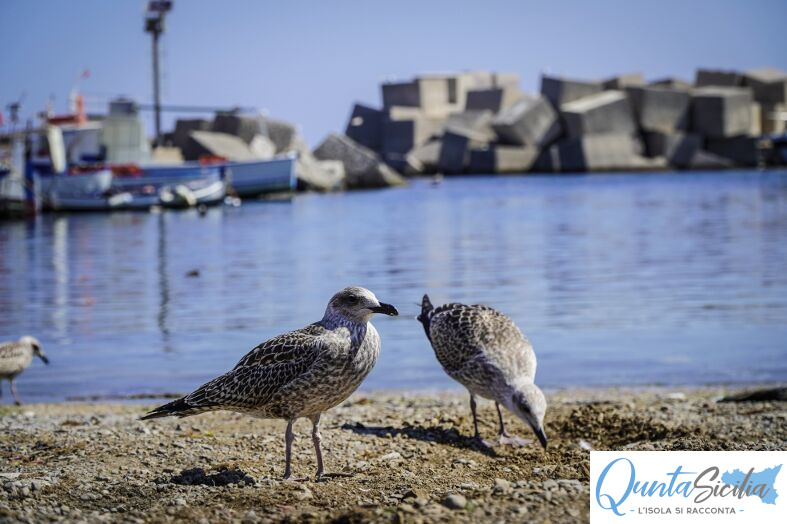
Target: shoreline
pixel 412 457
pixel 142 398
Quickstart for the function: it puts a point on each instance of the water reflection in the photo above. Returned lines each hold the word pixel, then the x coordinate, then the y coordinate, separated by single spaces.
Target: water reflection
pixel 617 279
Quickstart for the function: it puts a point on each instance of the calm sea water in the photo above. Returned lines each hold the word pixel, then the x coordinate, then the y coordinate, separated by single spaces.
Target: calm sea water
pixel 617 280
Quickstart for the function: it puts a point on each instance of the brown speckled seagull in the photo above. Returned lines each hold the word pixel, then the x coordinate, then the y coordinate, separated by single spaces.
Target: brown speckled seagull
pixel 485 351
pixel 15 357
pixel 297 374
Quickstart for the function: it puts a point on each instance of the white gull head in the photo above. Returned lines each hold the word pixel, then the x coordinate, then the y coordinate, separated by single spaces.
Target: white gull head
pixel 356 305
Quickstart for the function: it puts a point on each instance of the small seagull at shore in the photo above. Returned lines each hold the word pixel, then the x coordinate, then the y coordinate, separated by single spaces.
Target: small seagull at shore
pixel 15 357
pixel 485 351
pixel 298 374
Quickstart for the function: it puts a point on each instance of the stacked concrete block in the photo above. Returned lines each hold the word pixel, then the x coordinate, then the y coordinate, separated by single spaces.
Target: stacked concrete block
pixel 718 78
pixel 183 127
pixel 720 112
pixel 603 152
pixel 660 108
pixel 242 126
pixel 493 99
pixel 677 148
pixel 773 119
pixel 606 112
pixel 431 93
pixel 454 152
pixel 221 145
pixel 499 158
pixel 532 120
pixel 365 126
pixel 282 134
pixel 671 82
pixel 424 158
pixel 404 129
pixel 562 90
pixel 475 124
pixel 319 175
pixel 768 85
pixel 363 168
pixel 704 160
pixel 743 150
pixel 621 82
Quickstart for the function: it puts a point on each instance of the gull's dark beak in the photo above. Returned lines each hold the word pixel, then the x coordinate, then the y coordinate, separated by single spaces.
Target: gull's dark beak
pixel 385 309
pixel 541 437
pixel 44 359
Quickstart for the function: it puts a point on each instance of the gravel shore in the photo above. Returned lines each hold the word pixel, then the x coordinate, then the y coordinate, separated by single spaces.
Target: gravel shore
pixel 411 458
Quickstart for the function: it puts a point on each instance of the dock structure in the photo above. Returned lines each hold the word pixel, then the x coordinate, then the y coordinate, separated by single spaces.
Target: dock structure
pixel 479 122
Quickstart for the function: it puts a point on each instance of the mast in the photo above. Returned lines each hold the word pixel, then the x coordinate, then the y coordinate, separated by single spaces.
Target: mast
pixel 154 24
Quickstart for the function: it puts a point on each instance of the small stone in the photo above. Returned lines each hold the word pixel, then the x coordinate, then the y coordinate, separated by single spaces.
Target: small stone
pixel 549 484
pixel 395 455
pixel 501 485
pixel 304 494
pixel 455 501
pixel 180 501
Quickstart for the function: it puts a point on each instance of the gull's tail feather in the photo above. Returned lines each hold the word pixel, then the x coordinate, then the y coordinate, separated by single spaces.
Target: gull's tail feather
pixel 426 314
pixel 176 408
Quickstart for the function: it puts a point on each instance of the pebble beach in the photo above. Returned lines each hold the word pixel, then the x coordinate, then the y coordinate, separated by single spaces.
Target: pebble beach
pixel 410 458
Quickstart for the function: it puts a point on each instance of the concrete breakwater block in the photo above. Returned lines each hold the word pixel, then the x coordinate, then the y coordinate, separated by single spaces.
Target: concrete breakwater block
pixel 243 126
pixel 406 128
pixel 223 145
pixel 768 84
pixel 435 95
pixel 454 152
pixel 717 77
pixel 562 90
pixel 424 158
pixel 677 148
pixel 620 82
pixel 363 168
pixel 502 159
pixel 606 112
pixel 773 118
pixel 603 152
pixel 661 109
pixel 531 120
pixel 183 127
pixel 319 175
pixel 671 82
pixel 282 134
pixel 743 150
pixel 365 126
pixel 720 112
pixel 474 124
pixel 494 99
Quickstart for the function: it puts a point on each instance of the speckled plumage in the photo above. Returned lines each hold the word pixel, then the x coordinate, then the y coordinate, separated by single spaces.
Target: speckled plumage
pixel 15 357
pixel 297 374
pixel 482 349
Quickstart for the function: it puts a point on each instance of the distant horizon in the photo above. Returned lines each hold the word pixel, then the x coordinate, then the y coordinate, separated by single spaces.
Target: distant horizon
pixel 305 65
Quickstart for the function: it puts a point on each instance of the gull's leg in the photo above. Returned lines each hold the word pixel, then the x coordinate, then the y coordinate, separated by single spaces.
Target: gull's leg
pixel 289 436
pixel 500 418
pixel 317 440
pixel 477 435
pixel 504 437
pixel 13 393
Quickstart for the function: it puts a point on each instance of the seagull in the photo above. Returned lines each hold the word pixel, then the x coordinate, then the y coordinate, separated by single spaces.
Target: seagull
pixel 297 374
pixel 485 351
pixel 15 357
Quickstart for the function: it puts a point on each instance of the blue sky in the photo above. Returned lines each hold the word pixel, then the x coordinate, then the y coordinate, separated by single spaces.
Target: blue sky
pixel 308 61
